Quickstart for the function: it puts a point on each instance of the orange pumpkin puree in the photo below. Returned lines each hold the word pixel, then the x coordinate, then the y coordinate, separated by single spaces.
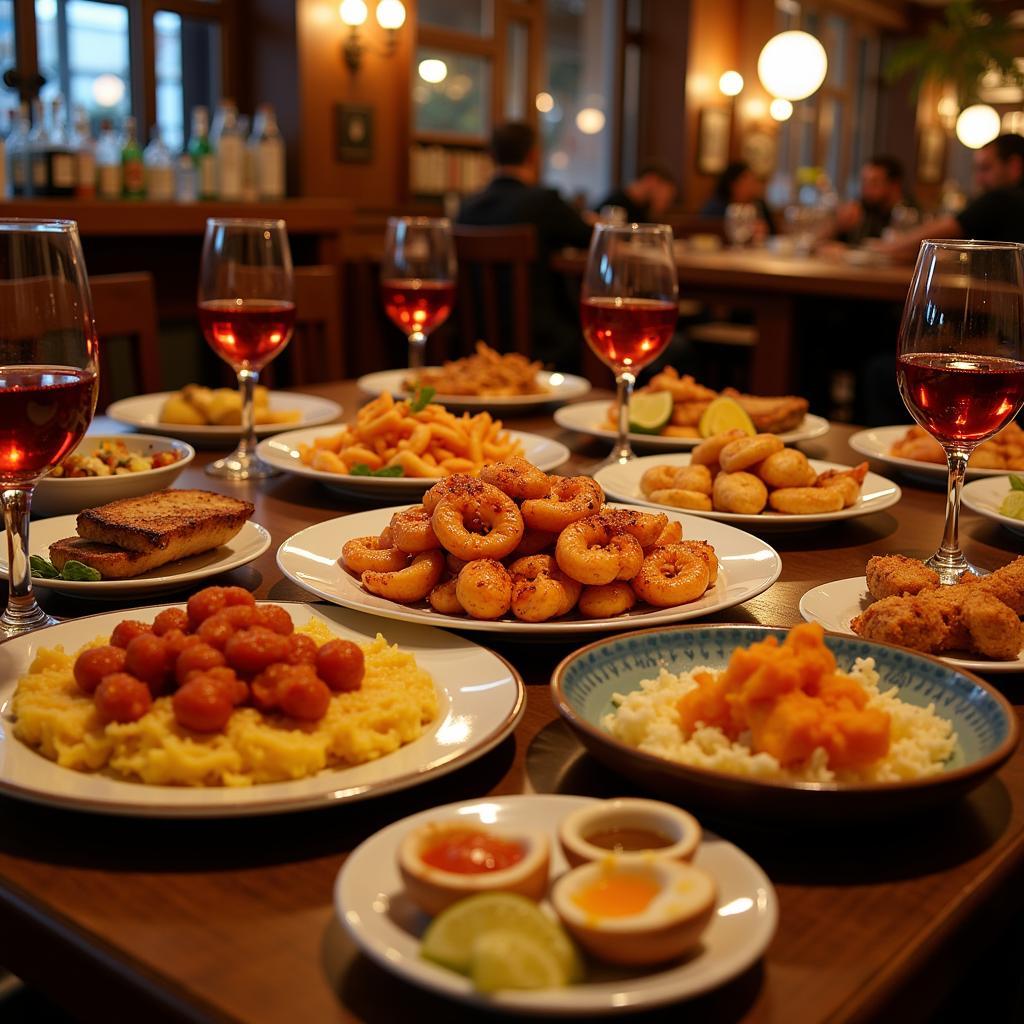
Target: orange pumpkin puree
pixel 792 700
pixel 617 895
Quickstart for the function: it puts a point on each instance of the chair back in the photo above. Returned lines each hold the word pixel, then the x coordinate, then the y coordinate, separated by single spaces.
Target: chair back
pixel 494 285
pixel 316 352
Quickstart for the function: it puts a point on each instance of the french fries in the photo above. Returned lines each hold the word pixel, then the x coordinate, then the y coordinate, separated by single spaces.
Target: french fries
pixel 487 374
pixel 430 442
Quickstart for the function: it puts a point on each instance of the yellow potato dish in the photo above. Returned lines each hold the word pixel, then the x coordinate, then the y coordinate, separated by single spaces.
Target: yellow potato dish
pixel 196 406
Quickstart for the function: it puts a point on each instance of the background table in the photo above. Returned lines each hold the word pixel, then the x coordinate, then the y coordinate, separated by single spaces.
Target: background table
pixel 149 920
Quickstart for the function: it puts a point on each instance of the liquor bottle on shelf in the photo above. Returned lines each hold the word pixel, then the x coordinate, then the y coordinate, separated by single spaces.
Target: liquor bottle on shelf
pixel 17 152
pixel 62 167
pixel 250 192
pixel 38 143
pixel 267 148
pixel 229 149
pixel 85 156
pixel 133 171
pixel 108 162
pixel 159 168
pixel 186 181
pixel 202 155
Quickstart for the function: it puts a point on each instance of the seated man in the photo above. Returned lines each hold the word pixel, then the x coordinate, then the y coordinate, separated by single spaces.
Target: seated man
pixel 647 198
pixel 881 191
pixel 514 197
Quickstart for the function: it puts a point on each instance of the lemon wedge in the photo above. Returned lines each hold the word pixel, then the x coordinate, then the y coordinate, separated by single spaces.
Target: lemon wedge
pixel 649 411
pixel 725 414
pixel 1013 505
pixel 504 959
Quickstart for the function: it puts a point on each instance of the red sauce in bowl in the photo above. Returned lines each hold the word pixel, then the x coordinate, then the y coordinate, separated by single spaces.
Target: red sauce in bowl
pixel 471 852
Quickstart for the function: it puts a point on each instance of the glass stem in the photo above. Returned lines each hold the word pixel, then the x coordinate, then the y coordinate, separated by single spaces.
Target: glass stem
pixel 21 601
pixel 247 380
pixel 949 552
pixel 417 348
pixel 624 382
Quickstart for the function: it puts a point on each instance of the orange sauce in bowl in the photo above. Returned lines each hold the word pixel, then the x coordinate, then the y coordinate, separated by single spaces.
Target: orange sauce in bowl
pixel 471 852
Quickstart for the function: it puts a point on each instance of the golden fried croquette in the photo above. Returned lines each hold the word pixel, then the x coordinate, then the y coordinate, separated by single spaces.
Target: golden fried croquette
pixel 995 630
pixel 896 575
pixel 903 621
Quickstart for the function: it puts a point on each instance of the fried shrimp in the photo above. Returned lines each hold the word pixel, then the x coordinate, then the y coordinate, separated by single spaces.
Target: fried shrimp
pixel 457 518
pixel 534 542
pixel 741 493
pixel 412 583
pixel 517 478
pixel 847 481
pixel 745 452
pixel 540 590
pixel 362 554
pixel 444 600
pixel 607 601
pixel 594 552
pixel 806 500
pixel 457 484
pixel 708 451
pixel 679 498
pixel 671 575
pixel 787 468
pixel 570 499
pixel 412 531
pixel 484 589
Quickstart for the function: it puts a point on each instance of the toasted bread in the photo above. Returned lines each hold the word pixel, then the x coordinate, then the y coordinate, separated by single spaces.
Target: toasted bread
pixel 174 523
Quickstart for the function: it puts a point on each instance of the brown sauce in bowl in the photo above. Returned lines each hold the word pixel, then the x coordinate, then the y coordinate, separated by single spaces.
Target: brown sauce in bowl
pixel 629 840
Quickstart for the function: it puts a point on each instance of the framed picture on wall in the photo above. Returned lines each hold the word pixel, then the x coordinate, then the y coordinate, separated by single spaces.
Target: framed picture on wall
pixel 931 154
pixel 760 151
pixel 713 140
pixel 353 133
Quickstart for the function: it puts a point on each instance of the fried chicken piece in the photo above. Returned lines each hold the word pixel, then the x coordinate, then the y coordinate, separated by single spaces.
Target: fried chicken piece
pixel 905 621
pixel 683 389
pixel 995 630
pixel 897 575
pixel 1007 584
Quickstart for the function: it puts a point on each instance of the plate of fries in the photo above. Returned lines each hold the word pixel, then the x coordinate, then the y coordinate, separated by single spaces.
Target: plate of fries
pixel 399 449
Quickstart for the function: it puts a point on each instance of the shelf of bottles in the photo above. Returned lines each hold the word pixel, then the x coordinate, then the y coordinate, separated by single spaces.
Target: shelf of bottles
pixel 44 155
pixel 436 170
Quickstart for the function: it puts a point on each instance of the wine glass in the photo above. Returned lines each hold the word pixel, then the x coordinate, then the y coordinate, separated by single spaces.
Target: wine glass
pixel 960 359
pixel 628 306
pixel 247 312
pixel 48 383
pixel 740 223
pixel 417 278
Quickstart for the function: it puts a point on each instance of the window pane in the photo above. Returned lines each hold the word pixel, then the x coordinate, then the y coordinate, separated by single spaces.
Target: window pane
pixel 472 16
pixel 835 43
pixel 187 72
pixel 516 57
pixel 8 57
pixel 452 93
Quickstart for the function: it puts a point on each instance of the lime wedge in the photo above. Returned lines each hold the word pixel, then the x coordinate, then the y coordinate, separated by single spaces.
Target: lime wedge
pixel 649 411
pixel 725 414
pixel 510 959
pixel 1013 505
pixel 452 935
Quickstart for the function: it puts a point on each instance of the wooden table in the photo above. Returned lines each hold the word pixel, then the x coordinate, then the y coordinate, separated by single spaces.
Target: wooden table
pixel 771 286
pixel 150 920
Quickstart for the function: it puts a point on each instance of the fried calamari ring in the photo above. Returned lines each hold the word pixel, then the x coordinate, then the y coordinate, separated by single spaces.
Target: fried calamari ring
pixel 443 599
pixel 386 538
pixel 741 493
pixel 361 554
pixel 594 552
pixel 678 498
pixel 802 501
pixel 704 550
pixel 456 484
pixel 788 468
pixel 607 601
pixel 457 518
pixel 570 499
pixel 412 531
pixel 540 590
pixel 708 451
pixel 672 534
pixel 644 526
pixel 484 589
pixel 658 478
pixel 517 478
pixel 412 583
pixel 671 576
pixel 745 452
pixel 534 542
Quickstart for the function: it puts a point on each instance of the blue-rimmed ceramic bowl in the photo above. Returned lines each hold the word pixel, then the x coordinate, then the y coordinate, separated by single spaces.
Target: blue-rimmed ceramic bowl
pixel 583 685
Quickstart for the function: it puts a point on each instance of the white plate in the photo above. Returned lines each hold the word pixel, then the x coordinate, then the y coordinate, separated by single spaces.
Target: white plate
pixel 369 901
pixel 834 605
pixel 60 496
pixel 985 496
pixel 747 567
pixel 247 545
pixel 589 418
pixel 561 388
pixel 282 453
pixel 143 411
pixel 622 482
pixel 481 698
pixel 877 442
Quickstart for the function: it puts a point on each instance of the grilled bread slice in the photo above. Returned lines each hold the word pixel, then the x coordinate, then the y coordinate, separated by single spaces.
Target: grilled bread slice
pixel 114 563
pixel 175 523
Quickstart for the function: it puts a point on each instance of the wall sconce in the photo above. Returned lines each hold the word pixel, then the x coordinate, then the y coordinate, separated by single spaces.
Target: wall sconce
pixel 731 83
pixel 390 16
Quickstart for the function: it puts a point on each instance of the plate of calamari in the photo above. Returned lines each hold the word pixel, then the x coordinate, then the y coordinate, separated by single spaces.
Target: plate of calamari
pixel 226 706
pixel 400 448
pixel 916 451
pixel 517 551
pixel 783 724
pixel 755 482
pixel 974 624
pixel 784 415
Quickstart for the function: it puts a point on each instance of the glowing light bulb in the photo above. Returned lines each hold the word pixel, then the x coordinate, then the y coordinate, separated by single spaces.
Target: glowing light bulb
pixel 780 109
pixel 590 120
pixel 391 14
pixel 352 12
pixel 108 90
pixel 792 65
pixel 544 102
pixel 731 83
pixel 977 125
pixel 433 70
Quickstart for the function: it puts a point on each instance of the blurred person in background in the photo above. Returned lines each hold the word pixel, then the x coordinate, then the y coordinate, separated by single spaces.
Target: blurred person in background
pixel 514 196
pixel 739 184
pixel 881 192
pixel 648 197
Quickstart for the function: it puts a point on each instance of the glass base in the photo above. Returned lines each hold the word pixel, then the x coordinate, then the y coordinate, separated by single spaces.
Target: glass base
pixel 615 458
pixel 238 466
pixel 950 569
pixel 14 624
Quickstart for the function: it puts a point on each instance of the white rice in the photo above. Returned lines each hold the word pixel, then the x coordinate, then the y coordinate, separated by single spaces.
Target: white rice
pixel 920 741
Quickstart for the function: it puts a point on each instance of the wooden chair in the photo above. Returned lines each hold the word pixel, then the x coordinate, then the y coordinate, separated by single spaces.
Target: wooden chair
pixel 316 353
pixel 494 285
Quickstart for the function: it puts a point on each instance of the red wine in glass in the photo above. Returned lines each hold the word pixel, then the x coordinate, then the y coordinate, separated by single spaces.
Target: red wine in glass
pixel 958 397
pixel 247 332
pixel 416 306
pixel 628 332
pixel 44 412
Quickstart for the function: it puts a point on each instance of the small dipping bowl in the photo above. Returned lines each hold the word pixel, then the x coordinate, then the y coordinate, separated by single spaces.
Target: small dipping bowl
pixel 623 824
